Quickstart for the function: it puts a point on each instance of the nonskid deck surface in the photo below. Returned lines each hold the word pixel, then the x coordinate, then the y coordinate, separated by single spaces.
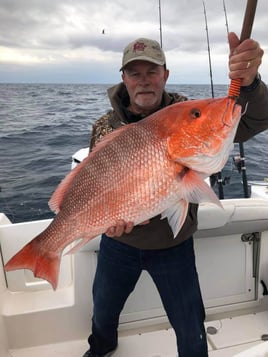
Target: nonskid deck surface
pixel 234 335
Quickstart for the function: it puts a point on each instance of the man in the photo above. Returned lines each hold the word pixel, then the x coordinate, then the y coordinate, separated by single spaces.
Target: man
pixel 126 250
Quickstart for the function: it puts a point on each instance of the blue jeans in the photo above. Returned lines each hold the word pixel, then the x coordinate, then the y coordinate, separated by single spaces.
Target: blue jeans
pixel 174 274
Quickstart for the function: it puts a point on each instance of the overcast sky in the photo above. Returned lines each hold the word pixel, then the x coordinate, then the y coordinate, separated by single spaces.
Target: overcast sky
pixel 61 41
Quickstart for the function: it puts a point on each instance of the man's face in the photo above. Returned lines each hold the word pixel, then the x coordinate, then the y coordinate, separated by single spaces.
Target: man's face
pixel 145 83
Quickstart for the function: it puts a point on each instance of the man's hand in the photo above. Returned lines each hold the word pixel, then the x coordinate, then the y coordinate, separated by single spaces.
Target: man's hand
pixel 122 227
pixel 244 59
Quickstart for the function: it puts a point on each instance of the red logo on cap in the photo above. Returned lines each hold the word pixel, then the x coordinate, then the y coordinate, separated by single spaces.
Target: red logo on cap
pixel 139 46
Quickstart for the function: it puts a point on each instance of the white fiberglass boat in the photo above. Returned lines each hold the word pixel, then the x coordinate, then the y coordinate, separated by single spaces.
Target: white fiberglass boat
pixel 232 260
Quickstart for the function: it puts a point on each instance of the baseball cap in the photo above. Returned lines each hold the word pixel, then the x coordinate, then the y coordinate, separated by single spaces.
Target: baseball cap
pixel 143 49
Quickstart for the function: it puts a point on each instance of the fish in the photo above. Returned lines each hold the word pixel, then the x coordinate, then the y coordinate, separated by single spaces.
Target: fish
pixel 155 166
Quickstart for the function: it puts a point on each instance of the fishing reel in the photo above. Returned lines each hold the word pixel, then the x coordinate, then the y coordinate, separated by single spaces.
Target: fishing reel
pixel 238 163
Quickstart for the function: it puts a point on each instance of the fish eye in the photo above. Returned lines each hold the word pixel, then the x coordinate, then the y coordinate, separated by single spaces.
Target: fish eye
pixel 195 113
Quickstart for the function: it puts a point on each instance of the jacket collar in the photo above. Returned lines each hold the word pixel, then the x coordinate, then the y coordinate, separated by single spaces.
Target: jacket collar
pixel 119 99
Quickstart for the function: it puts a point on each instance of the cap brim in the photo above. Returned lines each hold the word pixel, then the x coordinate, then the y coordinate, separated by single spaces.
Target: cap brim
pixel 143 58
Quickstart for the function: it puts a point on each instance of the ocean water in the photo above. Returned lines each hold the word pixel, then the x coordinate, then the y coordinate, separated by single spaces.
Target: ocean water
pixel 42 125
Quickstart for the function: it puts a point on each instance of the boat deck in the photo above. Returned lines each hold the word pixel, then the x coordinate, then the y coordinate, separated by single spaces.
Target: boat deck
pixel 237 336
pixel 231 249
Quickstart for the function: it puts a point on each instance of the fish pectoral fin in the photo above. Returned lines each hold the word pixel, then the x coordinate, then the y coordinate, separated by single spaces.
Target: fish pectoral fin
pixel 196 190
pixel 176 215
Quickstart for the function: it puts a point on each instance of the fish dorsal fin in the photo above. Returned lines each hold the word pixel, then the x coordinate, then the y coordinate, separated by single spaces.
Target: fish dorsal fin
pixel 58 196
pixel 111 136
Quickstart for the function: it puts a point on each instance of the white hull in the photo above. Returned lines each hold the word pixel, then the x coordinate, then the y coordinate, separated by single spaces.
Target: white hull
pixel 36 321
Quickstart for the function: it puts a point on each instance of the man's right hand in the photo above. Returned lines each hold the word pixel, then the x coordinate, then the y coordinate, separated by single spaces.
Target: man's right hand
pixel 122 227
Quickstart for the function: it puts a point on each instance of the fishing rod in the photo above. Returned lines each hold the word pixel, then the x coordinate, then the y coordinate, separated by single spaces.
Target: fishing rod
pixel 218 175
pixel 245 33
pixel 241 165
pixel 160 22
pixel 209 56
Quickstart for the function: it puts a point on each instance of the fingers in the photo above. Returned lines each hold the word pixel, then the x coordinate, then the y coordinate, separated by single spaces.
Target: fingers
pixel 244 60
pixel 120 228
pixel 233 41
pixel 145 222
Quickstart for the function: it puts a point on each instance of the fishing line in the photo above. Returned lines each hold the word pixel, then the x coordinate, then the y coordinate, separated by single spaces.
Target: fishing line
pixel 217 177
pixel 7 209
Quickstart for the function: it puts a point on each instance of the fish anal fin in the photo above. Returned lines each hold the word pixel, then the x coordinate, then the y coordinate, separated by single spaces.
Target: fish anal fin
pixel 79 244
pixel 43 266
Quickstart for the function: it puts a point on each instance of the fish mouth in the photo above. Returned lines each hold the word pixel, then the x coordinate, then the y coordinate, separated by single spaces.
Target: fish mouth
pixel 229 120
pixel 213 159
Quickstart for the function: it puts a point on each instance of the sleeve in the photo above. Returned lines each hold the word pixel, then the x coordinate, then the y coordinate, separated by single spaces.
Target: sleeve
pixel 255 108
pixel 100 128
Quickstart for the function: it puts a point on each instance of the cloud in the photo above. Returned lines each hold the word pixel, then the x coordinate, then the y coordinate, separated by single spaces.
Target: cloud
pixel 56 35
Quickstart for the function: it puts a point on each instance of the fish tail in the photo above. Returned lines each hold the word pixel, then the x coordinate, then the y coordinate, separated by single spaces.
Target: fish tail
pixel 45 266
